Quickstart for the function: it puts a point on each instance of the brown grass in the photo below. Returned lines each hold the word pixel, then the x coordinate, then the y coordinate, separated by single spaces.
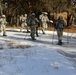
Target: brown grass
pixel 71 29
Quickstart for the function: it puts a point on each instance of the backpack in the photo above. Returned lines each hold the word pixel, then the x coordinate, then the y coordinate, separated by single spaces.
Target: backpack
pixel 60 24
pixel 31 21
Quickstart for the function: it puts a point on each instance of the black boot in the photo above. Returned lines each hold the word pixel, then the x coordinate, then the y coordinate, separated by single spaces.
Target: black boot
pixel 37 35
pixel 43 32
pixel 33 39
pixel 28 31
pixel 4 35
pixel 59 42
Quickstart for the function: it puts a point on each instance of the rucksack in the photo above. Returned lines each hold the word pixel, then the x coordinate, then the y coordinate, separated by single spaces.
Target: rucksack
pixel 31 21
pixel 59 24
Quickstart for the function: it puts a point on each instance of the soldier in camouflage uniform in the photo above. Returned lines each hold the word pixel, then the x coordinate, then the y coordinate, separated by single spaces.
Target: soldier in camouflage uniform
pixel 44 19
pixel 23 22
pixel 59 24
pixel 3 25
pixel 33 24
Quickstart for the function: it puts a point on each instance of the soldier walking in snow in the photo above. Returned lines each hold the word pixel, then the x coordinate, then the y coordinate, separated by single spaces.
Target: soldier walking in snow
pixel 33 24
pixel 44 19
pixel 23 22
pixel 3 25
pixel 59 25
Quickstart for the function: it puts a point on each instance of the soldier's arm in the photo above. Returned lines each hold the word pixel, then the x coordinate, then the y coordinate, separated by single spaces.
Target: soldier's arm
pixel 65 25
pixel 37 20
pixel 55 23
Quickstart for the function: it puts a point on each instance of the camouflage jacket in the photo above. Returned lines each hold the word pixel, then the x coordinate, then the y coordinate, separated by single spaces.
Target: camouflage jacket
pixel 59 24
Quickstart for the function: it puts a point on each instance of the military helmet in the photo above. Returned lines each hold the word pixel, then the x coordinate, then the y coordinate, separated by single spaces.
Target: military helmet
pixel 33 14
pixel 45 13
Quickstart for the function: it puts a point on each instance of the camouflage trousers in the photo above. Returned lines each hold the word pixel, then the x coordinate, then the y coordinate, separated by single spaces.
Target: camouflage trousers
pixel 3 29
pixel 33 32
pixel 23 25
pixel 60 34
pixel 44 26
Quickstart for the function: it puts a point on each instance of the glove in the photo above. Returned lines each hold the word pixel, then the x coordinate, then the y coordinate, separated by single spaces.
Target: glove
pixel 51 21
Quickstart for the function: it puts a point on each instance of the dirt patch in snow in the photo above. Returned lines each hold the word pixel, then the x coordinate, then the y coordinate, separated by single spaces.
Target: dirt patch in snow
pixel 13 44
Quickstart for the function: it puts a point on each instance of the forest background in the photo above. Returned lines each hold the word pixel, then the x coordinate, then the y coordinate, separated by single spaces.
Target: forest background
pixel 14 8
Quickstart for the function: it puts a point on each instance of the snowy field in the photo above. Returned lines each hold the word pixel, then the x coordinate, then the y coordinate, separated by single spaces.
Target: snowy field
pixel 19 55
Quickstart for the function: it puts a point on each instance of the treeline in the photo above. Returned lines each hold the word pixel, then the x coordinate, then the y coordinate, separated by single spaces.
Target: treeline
pixel 13 8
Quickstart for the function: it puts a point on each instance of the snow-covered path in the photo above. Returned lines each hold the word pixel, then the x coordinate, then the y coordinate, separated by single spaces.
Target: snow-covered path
pixel 19 56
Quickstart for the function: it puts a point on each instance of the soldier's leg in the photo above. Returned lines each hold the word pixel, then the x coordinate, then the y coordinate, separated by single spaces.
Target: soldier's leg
pixel 27 28
pixel 43 28
pixel 46 25
pixel 22 26
pixel 33 32
pixel 59 33
pixel 0 28
pixel 37 31
pixel 4 30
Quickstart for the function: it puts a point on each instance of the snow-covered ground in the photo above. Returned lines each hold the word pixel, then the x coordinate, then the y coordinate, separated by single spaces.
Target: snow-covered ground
pixel 19 55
